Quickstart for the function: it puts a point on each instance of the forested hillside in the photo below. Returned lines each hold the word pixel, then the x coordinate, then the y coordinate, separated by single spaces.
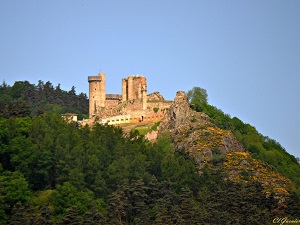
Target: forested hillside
pixel 53 172
pixel 25 99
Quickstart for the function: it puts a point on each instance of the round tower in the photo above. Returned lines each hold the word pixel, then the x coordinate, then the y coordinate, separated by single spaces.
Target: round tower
pixel 97 93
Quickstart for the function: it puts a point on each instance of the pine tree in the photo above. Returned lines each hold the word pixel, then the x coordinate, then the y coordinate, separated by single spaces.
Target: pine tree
pixel 165 206
pixel 72 217
pixel 93 217
pixel 138 198
pixel 46 215
pixel 118 206
pixel 293 206
pixel 18 215
pixel 187 208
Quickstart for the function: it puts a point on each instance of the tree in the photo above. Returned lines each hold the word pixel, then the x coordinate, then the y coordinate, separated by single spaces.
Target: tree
pixel 93 217
pixel 118 206
pixel 165 208
pixel 15 99
pixel 72 217
pixel 197 96
pixel 18 215
pixel 138 198
pixel 3 205
pixel 46 215
pixel 18 108
pixel 3 108
pixel 67 196
pixel 187 210
pixel 14 188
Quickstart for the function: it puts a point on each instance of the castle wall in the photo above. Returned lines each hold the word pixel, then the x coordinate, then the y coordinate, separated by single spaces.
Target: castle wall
pixel 162 105
pixel 121 119
pixel 112 103
pixel 112 100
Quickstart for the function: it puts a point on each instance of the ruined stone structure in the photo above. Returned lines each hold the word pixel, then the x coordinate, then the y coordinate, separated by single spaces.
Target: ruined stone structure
pixel 135 88
pixel 133 105
pixel 155 96
pixel 97 93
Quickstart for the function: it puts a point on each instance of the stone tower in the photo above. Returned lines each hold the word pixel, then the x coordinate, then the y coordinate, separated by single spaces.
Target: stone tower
pixel 97 93
pixel 134 88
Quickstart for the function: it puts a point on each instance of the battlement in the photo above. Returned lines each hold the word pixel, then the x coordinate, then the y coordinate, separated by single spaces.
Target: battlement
pixel 94 78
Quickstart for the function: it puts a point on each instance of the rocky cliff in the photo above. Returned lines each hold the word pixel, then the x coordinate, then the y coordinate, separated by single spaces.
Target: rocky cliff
pixel 194 134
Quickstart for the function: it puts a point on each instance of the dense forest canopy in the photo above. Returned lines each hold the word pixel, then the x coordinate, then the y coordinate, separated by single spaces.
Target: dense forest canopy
pixel 25 99
pixel 53 172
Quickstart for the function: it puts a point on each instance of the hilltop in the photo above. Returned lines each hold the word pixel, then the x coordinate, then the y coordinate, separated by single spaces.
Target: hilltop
pixel 200 167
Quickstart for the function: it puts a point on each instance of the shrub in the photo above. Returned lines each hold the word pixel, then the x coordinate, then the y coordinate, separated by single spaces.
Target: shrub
pixel 155 109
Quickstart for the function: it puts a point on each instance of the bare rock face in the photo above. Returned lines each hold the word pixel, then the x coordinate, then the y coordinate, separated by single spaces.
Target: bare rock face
pixel 194 135
pixel 179 112
pixel 181 116
pixel 151 136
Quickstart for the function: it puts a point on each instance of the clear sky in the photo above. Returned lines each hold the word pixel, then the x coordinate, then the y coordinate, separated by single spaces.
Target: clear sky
pixel 246 54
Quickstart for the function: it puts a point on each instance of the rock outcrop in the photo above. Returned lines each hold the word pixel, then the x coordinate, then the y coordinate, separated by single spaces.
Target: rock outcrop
pixel 194 135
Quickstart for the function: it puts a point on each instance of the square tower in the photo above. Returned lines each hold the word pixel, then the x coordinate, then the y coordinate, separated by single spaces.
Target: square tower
pixel 135 88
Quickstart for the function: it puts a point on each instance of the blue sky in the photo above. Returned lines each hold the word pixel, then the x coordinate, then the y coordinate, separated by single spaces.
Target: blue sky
pixel 244 53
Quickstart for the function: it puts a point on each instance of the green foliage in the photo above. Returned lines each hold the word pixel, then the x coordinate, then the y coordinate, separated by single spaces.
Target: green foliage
pixel 42 198
pixel 25 99
pixel 14 187
pixel 18 215
pixel 193 119
pixel 155 126
pixel 196 97
pixel 218 159
pixel 13 191
pixel 155 109
pixel 67 196
pixel 143 130
pixel 52 172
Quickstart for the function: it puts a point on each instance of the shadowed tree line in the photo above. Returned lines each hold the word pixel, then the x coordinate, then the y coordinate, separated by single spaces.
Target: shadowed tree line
pixel 25 99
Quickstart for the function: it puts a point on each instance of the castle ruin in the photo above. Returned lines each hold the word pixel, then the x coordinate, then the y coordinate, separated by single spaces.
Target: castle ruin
pixel 133 105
